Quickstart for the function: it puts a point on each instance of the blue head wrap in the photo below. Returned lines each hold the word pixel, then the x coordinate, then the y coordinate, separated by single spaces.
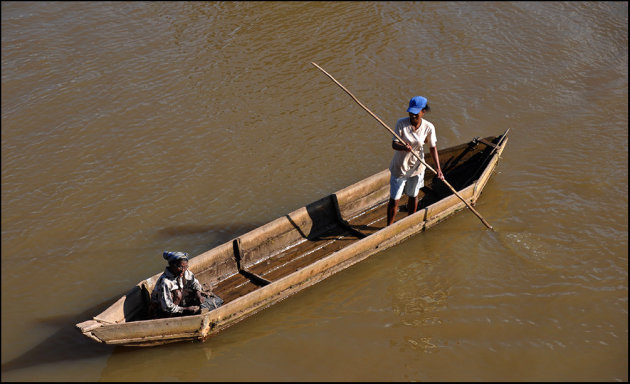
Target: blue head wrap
pixel 174 256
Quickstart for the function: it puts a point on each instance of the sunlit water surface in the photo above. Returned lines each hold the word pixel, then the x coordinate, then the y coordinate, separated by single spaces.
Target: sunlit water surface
pixel 129 128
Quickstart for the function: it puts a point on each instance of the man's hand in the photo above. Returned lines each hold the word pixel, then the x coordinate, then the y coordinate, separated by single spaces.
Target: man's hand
pixel 193 309
pixel 397 145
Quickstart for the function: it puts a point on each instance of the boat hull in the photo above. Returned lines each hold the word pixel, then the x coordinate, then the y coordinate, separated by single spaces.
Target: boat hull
pixel 293 252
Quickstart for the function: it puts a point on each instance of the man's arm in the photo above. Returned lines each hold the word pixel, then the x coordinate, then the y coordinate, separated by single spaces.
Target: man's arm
pixel 397 145
pixel 166 301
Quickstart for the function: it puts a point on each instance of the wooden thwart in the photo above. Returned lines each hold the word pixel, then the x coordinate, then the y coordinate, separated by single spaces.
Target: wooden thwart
pixel 238 252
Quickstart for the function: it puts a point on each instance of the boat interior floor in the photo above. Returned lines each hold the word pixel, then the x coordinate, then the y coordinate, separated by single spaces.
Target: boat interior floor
pixel 308 250
pixel 461 168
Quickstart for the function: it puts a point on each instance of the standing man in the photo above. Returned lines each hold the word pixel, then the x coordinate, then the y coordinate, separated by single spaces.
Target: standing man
pixel 407 172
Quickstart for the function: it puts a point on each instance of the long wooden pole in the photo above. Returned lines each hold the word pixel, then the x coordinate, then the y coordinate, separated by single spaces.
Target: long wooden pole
pixel 402 141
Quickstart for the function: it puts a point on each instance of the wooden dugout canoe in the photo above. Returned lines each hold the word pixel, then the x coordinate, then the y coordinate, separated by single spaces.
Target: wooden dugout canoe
pixel 295 251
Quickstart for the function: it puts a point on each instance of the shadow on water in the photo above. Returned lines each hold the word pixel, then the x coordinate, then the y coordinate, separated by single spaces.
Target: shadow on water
pixel 196 229
pixel 222 232
pixel 156 363
pixel 66 344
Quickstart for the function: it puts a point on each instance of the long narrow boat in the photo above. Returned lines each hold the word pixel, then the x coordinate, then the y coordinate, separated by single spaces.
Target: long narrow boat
pixel 286 255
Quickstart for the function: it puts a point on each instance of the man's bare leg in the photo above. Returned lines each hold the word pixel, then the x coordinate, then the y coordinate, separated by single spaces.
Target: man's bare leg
pixel 392 207
pixel 412 205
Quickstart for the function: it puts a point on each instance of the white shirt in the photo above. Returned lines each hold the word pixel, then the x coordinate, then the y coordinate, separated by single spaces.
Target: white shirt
pixel 405 164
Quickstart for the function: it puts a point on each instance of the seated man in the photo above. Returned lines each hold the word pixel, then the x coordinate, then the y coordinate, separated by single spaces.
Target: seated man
pixel 177 292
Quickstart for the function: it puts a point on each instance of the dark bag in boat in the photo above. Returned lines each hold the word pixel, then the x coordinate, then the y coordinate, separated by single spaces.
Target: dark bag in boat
pixel 211 302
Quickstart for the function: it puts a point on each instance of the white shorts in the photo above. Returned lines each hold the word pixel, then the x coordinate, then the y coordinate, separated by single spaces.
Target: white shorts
pixel 410 186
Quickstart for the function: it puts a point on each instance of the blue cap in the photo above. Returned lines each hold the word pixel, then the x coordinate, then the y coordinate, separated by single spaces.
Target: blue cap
pixel 416 104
